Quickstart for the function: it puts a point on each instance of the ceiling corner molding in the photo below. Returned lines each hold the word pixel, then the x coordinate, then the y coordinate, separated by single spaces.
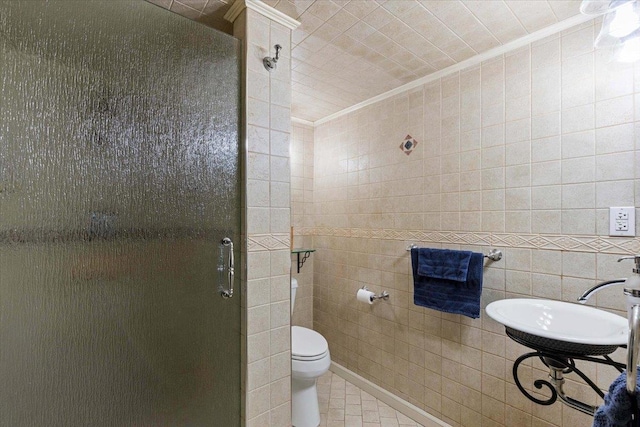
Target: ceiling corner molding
pixel 235 10
pixel 262 8
pixel 301 121
pixel 474 60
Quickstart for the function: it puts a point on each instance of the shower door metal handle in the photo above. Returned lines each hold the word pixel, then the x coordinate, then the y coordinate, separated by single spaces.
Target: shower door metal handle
pixel 228 293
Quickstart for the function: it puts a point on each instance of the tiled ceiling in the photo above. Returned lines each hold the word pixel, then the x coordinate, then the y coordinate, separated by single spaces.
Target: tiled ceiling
pixel 347 51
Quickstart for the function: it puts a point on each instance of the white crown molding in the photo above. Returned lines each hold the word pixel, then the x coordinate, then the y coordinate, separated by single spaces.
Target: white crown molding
pixel 492 53
pixel 262 8
pixel 301 121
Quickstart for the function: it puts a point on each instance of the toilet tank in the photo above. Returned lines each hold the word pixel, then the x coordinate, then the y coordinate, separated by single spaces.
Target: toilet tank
pixel 294 288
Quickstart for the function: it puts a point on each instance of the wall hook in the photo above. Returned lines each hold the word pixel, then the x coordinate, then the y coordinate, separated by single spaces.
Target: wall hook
pixel 270 63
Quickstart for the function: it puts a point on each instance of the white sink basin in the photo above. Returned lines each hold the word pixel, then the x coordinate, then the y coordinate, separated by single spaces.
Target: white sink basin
pixel 561 321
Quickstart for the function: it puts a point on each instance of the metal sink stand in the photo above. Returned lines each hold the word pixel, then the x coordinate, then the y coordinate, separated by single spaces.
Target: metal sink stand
pixel 560 365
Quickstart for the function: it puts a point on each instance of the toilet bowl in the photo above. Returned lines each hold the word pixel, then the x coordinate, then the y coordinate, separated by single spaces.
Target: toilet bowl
pixel 309 360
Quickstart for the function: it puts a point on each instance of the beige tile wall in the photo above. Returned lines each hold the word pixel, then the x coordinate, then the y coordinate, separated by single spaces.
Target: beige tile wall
pixel 524 152
pixel 266 298
pixel 301 211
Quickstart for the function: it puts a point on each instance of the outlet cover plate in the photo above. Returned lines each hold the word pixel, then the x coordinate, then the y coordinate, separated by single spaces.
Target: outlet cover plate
pixel 622 221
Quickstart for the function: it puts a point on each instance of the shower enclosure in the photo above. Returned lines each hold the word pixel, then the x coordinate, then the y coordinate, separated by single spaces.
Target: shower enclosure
pixel 118 183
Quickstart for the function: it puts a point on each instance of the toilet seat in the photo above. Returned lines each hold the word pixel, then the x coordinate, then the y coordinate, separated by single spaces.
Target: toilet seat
pixel 307 345
pixel 309 359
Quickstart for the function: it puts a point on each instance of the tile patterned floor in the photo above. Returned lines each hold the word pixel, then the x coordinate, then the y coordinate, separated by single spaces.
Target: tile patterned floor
pixel 342 404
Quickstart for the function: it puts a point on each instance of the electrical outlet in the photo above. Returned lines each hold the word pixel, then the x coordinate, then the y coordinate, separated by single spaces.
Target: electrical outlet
pixel 622 221
pixel 622 225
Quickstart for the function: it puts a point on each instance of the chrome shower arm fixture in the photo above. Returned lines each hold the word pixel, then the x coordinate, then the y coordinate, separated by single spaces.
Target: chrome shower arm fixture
pixel 270 63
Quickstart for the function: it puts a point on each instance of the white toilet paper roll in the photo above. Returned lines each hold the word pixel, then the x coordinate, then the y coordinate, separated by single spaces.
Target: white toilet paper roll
pixel 365 296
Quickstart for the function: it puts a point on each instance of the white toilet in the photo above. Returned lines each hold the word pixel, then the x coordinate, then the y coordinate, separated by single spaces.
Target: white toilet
pixel 309 359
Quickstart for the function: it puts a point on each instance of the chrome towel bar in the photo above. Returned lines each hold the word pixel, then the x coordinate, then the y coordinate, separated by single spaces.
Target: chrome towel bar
pixel 493 255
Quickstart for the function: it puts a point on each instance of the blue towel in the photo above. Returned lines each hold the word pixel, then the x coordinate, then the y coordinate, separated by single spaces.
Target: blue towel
pixel 444 264
pixel 618 405
pixel 450 296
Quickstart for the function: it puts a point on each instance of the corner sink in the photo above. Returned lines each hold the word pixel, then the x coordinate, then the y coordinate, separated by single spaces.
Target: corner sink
pixel 560 327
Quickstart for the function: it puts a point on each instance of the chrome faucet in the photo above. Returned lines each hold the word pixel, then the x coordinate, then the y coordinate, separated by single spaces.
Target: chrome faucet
pixel 632 295
pixel 631 291
pixel 600 286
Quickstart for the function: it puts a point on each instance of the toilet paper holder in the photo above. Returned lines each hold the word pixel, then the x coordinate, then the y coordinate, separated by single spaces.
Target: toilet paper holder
pixel 383 295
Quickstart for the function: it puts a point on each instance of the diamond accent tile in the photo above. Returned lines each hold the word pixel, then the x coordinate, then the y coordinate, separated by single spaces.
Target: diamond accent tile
pixel 601 245
pixel 408 144
pixel 538 242
pixel 268 242
pixel 569 243
pixel 511 240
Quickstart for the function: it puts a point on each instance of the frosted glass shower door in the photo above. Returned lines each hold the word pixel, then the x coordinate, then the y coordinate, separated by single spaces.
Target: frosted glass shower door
pixel 118 181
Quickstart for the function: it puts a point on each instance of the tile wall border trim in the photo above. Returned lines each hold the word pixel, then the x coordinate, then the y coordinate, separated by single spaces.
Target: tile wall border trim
pixel 552 242
pixel 262 8
pixel 474 60
pixel 400 405
pixel 268 242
